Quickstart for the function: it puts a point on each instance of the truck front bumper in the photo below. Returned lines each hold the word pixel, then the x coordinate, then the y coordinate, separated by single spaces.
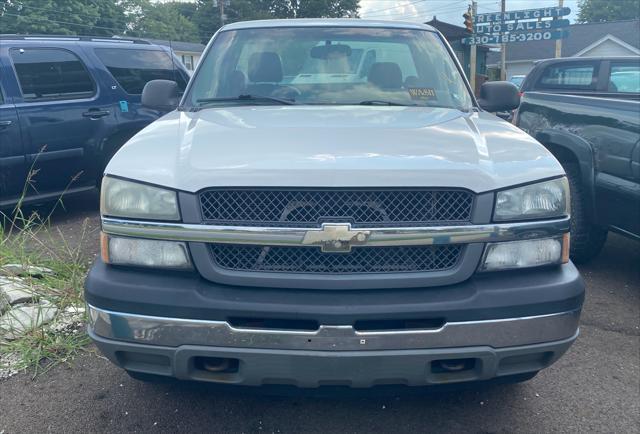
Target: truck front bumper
pixel 333 355
pixel 180 325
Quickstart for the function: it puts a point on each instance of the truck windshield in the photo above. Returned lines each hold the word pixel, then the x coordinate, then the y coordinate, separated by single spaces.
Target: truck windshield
pixel 329 65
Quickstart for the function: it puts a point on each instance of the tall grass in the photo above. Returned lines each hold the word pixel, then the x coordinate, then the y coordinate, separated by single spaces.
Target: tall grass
pixel 27 238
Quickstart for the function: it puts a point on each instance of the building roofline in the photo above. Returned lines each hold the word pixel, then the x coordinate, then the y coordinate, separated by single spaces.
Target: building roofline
pixel 608 37
pixel 605 22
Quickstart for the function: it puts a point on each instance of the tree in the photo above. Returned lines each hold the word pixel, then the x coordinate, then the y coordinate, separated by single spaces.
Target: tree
pixel 324 8
pixel 207 17
pixel 62 17
pixel 183 21
pixel 593 11
pixel 68 17
pixel 313 8
pixel 164 21
pixel 115 17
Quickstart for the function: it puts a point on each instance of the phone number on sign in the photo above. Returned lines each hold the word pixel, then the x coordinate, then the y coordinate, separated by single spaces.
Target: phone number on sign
pixel 513 37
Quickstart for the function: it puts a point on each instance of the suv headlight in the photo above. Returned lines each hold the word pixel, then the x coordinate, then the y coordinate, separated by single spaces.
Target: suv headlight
pixel 535 201
pixel 120 198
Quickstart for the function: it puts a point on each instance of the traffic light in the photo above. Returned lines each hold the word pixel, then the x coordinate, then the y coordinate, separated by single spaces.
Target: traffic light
pixel 468 20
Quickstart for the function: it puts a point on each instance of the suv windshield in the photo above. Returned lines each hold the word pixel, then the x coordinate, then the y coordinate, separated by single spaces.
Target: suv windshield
pixel 329 65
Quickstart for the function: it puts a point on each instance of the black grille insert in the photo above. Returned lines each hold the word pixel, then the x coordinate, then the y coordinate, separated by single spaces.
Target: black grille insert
pixel 369 325
pixel 312 260
pixel 311 207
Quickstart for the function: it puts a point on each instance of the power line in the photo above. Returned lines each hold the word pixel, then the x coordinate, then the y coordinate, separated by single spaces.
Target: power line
pixel 115 31
pixel 398 6
pixel 447 9
pixel 437 9
pixel 19 6
pixel 70 23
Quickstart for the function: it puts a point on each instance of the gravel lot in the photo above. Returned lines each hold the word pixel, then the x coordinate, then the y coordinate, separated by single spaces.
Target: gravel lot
pixel 594 388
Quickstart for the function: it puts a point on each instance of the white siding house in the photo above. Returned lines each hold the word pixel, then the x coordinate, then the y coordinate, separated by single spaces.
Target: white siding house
pixel 189 53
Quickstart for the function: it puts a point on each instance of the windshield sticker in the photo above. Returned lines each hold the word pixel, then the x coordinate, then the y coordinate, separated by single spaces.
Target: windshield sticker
pixel 422 93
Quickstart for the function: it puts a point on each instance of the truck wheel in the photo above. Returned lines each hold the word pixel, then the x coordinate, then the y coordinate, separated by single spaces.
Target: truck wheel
pixel 586 239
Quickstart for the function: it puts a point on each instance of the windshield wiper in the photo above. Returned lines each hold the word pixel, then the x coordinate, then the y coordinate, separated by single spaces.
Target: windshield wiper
pixel 247 98
pixel 382 102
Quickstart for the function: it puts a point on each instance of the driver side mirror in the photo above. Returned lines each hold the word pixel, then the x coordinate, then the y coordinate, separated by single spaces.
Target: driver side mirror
pixel 160 95
pixel 499 96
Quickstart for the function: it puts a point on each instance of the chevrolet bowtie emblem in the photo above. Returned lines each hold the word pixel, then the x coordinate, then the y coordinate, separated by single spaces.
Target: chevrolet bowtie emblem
pixel 335 237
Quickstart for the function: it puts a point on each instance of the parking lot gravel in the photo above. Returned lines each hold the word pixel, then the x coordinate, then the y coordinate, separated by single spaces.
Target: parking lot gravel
pixel 595 387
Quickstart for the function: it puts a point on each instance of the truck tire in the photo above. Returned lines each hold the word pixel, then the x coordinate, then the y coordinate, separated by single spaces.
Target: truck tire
pixel 587 239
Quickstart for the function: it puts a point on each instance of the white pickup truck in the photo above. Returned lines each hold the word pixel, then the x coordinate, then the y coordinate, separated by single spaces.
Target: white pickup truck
pixel 343 225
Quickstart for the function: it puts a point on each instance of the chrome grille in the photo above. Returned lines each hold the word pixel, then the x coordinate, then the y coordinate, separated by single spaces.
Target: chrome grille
pixel 311 207
pixel 312 260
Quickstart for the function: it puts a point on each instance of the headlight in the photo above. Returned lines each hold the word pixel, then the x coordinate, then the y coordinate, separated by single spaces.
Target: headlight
pixel 144 253
pixel 542 200
pixel 120 198
pixel 527 253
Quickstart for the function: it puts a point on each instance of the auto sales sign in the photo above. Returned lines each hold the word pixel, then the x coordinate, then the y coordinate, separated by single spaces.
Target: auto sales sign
pixel 519 26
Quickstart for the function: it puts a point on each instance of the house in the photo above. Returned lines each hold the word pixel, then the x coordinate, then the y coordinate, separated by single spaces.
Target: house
pixel 454 34
pixel 188 52
pixel 613 38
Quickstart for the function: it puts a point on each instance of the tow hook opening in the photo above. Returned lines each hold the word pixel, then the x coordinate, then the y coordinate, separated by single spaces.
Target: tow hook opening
pixel 452 365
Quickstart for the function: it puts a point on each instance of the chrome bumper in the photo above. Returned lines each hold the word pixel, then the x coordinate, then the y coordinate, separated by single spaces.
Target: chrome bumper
pixel 174 332
pixel 371 237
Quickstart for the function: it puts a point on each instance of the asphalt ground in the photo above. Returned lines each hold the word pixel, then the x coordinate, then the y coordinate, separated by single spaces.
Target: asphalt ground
pixel 595 387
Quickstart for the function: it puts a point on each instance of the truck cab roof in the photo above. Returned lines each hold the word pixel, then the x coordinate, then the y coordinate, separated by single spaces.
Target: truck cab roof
pixel 327 22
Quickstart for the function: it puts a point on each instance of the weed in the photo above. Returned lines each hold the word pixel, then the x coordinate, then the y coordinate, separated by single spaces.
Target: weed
pixel 27 239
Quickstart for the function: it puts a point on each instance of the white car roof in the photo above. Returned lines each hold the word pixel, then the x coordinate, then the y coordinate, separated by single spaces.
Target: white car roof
pixel 326 22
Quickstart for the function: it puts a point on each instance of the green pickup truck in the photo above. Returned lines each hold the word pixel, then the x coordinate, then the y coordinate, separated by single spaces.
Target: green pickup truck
pixel 586 111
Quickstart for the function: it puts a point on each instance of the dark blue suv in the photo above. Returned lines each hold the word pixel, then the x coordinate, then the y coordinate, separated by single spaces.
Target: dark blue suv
pixel 67 104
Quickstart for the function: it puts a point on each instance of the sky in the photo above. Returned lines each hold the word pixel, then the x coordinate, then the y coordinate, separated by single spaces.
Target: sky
pixel 449 11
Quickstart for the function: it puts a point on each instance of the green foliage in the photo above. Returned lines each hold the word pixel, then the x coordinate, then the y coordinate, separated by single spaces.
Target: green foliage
pixel 593 11
pixel 115 17
pixel 165 21
pixel 207 17
pixel 183 21
pixel 324 8
pixel 64 17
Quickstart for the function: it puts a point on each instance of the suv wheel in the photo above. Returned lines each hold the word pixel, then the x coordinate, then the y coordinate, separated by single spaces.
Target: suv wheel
pixel 586 239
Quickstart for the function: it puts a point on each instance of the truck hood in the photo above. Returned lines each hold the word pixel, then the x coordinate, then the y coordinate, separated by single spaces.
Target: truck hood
pixel 333 146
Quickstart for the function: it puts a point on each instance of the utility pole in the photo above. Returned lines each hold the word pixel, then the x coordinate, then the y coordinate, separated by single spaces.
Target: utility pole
pixel 559 41
pixel 220 5
pixel 503 49
pixel 472 65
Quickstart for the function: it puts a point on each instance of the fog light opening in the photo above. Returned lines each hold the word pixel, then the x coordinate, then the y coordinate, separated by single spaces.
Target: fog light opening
pixel 218 365
pixel 535 252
